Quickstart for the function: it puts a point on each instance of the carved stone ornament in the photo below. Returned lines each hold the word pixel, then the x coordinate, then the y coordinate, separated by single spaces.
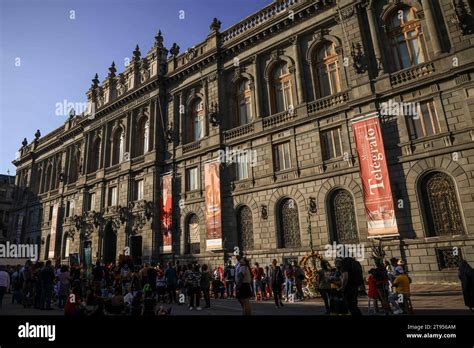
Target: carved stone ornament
pixel 359 61
pixel 191 54
pixel 345 13
pixel 264 212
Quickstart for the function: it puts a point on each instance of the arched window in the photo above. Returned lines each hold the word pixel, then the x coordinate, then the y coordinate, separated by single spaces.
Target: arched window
pixel 282 89
pixel 38 180
pixel 196 120
pixel 118 146
pixel 47 179
pixel 73 166
pixel 289 226
pixel 243 103
pixel 146 136
pixel 327 70
pixel 440 205
pixel 94 161
pixel 143 136
pixel 54 176
pixel 406 39
pixel 245 228
pixel 343 218
pixel 193 235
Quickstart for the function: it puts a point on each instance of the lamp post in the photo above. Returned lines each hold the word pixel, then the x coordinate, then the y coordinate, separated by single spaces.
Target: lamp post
pixel 312 209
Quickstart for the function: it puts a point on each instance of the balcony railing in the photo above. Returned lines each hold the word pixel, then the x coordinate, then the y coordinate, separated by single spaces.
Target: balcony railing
pixel 238 131
pixel 274 120
pixel 412 73
pixel 260 17
pixel 192 146
pixel 328 102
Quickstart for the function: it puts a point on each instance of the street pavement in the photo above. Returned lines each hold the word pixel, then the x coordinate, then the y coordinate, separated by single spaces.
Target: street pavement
pixel 427 299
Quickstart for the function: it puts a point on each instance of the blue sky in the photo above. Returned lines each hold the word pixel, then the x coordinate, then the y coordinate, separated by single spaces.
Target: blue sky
pixel 58 56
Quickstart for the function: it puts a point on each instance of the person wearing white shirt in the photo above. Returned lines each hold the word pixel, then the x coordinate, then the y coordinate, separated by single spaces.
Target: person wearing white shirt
pixel 4 283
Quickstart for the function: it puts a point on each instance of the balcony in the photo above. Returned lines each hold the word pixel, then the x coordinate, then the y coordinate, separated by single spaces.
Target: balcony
pixel 257 19
pixel 274 120
pixel 192 146
pixel 411 73
pixel 328 102
pixel 238 131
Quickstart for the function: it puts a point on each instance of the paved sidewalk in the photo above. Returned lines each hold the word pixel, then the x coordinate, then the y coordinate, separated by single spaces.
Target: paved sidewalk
pixel 427 299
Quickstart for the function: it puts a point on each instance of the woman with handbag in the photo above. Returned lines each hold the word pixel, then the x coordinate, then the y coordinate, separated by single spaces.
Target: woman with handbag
pixel 244 290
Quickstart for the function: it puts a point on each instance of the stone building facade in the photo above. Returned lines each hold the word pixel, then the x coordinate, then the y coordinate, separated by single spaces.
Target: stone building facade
pixel 285 83
pixel 7 185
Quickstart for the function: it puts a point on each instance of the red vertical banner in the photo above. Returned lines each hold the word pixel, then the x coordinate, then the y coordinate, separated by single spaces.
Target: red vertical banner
pixel 166 213
pixel 378 198
pixel 52 234
pixel 213 206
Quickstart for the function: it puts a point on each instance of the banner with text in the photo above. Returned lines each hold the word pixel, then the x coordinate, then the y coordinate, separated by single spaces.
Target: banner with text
pixel 167 213
pixel 213 206
pixel 378 198
pixel 52 235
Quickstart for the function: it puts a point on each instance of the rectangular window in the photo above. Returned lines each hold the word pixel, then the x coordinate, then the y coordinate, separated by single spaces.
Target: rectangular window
pixel 68 207
pixel 192 179
pixel 331 143
pixel 112 196
pixel 242 166
pixel 425 123
pixel 50 213
pixel 281 156
pixel 91 205
pixel 67 247
pixel 138 190
pixel 72 205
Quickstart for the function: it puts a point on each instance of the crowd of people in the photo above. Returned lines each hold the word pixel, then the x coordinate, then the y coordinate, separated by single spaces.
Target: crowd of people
pixel 152 289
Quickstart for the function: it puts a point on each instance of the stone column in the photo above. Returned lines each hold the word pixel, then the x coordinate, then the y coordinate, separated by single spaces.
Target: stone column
pixel 181 117
pixel 257 87
pixel 298 67
pixel 153 114
pixel 431 24
pixel 105 145
pixel 374 34
pixel 131 130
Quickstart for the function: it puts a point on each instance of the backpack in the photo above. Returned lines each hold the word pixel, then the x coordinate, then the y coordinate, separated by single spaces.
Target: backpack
pixel 355 271
pixel 279 276
pixel 300 274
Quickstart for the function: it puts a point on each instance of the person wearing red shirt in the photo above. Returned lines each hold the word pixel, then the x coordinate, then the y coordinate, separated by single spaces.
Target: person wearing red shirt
pixel 257 274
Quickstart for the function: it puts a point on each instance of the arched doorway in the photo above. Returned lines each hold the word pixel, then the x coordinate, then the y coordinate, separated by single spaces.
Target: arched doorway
pixel 193 235
pixel 109 244
pixel 343 219
pixel 289 225
pixel 136 243
pixel 245 228
pixel 441 208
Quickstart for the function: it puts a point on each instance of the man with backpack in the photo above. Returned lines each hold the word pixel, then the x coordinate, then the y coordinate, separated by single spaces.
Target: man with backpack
pixel 299 278
pixel 352 277
pixel 229 276
pixel 277 279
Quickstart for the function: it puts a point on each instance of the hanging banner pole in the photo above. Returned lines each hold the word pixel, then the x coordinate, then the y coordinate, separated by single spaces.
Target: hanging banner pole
pixel 52 235
pixel 166 213
pixel 378 199
pixel 213 206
